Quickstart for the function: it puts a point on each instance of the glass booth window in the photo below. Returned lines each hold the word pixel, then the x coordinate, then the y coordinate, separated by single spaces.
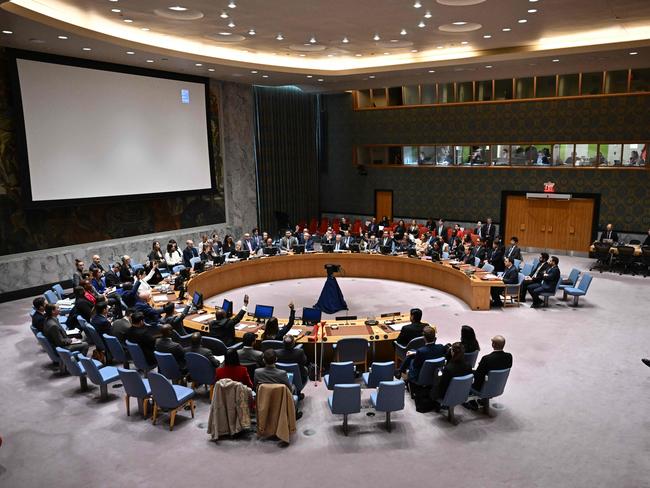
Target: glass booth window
pixel 411 95
pixel 503 89
pixel 410 155
pixel 616 81
pixel 518 155
pixel 500 155
pixel 395 155
pixel 465 91
pixel 484 90
pixel 378 155
pixel 568 85
pixel 428 94
pixel 427 155
pixel 363 98
pixel 635 154
pixel 539 154
pixel 611 154
pixel 444 155
pixel 461 155
pixel 525 88
pixel 446 93
pixel 563 155
pixel 592 83
pixel 640 80
pixel 545 86
pixel 586 154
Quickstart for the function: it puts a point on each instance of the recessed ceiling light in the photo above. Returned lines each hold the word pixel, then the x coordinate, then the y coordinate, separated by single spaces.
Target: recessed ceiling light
pixel 149 60
pixel 231 24
pixel 232 4
pixel 428 15
pixel 210 69
pixel 145 29
pixel 116 10
pixel 488 66
pixel 309 76
pixel 522 21
pixel 376 37
pixel 7 32
pixel 223 15
pixel 402 32
pixel 279 37
pixel 556 60
pixel 302 55
pixel 130 53
pixel 506 29
pixel 414 50
pixel 417 4
pixel 265 76
pixel 251 32
pixel 358 55
pixel 460 22
pixel 63 37
pixel 128 21
pixel 330 55
pixel 86 49
pixel 386 54
pixel 532 11
pixel 178 8
pixel 439 47
pixel 320 79
pixel 633 53
pixel 421 24
pixel 254 72
pixel 198 64
pixel 464 43
pixel 432 71
pixel 487 36
pixel 225 33
pixel 312 40
pixel 532 1
pixel 372 77
pixel 345 40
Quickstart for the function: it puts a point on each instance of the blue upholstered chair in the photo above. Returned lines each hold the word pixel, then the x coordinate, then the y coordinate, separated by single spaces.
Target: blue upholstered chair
pixel 378 372
pixel 168 366
pixel 494 385
pixel 339 373
pixel 271 344
pixel 487 267
pixel 183 340
pixel 388 398
pixel 58 289
pixel 517 263
pixel 345 400
pixel 401 350
pixel 580 290
pixel 527 269
pixel 135 386
pixel 429 372
pixel 470 358
pixel 101 377
pixel 136 267
pixel 75 368
pixel 573 278
pixel 118 354
pixel 83 324
pixel 217 346
pixel 456 394
pixel 353 349
pixel 201 371
pixel 54 357
pixel 94 336
pixel 194 260
pixel 548 294
pixel 50 297
pixel 294 369
pixel 169 397
pixel 477 261
pixel 139 360
pixel 178 268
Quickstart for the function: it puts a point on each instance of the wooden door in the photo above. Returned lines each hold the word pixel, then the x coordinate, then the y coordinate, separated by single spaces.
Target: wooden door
pixel 384 204
pixel 557 224
pixel 516 219
pixel 579 224
pixel 536 222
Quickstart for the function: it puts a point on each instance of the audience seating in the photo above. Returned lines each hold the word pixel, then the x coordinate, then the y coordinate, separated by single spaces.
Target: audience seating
pixel 54 357
pixel 580 290
pixel 118 354
pixel 603 256
pixel 50 297
pixel 548 294
pixel 456 394
pixel 488 267
pixel 471 357
pixel 625 259
pixel 58 289
pixel 494 385
pixel 527 269
pixel 429 372
pixel 388 398
pixel 168 366
pixel 511 292
pixel 339 373
pixel 101 377
pixel 73 367
pixel 270 344
pixel 169 397
pixel 139 361
pixel 413 345
pixel 353 349
pixel 217 346
pixel 201 371
pixel 183 340
pixel 345 399
pixel 296 377
pixel 136 387
pixel 517 263
pixel 378 372
pixel 573 278
pixel 95 338
pixel 178 268
pixel 83 324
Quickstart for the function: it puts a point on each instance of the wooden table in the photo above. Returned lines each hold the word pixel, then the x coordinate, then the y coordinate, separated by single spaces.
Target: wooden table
pixel 614 251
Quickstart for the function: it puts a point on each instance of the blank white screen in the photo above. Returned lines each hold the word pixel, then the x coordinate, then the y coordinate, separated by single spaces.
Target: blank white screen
pixel 93 133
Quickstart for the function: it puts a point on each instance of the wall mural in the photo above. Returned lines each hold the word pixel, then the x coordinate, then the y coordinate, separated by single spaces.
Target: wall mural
pixel 25 229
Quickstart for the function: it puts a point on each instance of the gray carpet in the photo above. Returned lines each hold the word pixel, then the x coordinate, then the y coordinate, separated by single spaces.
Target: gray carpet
pixel 575 412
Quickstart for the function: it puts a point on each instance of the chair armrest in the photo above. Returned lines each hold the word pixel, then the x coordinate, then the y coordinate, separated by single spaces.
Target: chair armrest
pixel 236 346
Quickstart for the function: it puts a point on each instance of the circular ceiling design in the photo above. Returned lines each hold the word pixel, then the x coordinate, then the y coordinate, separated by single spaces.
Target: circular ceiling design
pixel 455 28
pixel 178 15
pixel 307 48
pixel 222 37
pixel 459 3
pixel 394 44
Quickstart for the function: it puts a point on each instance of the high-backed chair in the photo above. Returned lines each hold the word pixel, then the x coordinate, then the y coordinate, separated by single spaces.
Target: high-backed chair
pixel 52 354
pixel 73 367
pixel 388 398
pixel 183 340
pixel 517 263
pixel 83 324
pixel 294 369
pixel 603 256
pixel 201 371
pixel 548 294
pixel 470 358
pixel 139 360
pixel 270 344
pixel 527 269
pixel 477 262
pixel 50 297
pixel 511 292
pixel 378 372
pixel 353 349
pixel 494 385
pixel 339 373
pixel 101 377
pixel 625 258
pixel 95 338
pixel 217 346
pixel 117 352
pixel 58 289
pixel 169 397
pixel 456 394
pixel 580 290
pixel 136 387
pixel 572 278
pixel 401 350
pixel 487 267
pixel 168 366
pixel 345 400
pixel 429 372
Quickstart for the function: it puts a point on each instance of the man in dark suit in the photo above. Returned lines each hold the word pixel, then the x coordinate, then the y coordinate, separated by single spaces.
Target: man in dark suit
pixel 441 230
pixel 100 320
pixel 248 354
pixel 308 241
pixel 339 245
pixel 348 240
pixel 497 359
pixel 189 252
pixel 112 276
pixel 609 234
pixel 535 276
pixel 56 335
pixel 489 231
pixel 480 251
pixel 120 327
pixel 496 258
pixel 151 315
pixel 38 319
pixel 195 347
pixel 167 345
pixel 412 330
pixel 270 373
pixel 141 335
pixel 387 240
pixel 548 284
pixel 510 277
pixel 289 354
pixel 373 228
pixel 513 252
pixel 249 244
pixel 430 350
pixel 223 328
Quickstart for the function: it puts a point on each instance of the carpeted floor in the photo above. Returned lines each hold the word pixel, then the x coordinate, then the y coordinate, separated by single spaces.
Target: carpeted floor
pixel 575 412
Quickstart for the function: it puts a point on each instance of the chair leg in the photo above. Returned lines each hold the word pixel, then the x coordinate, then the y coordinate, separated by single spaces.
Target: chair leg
pixel 345 424
pixel 128 405
pixel 486 407
pixel 141 406
pixel 172 419
pixel 211 391
pixel 103 392
pixel 575 300
pixel 83 383
pixel 451 416
pixel 388 424
pixel 155 413
pixel 145 407
pixel 192 407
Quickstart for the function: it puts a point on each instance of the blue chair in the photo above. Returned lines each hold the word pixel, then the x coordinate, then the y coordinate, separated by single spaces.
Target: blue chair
pixel 527 269
pixel 183 340
pixel 136 266
pixel 50 297
pixel 378 372
pixel 494 385
pixel 573 278
pixel 178 268
pixel 83 324
pixel 201 371
pixel 194 260
pixel 445 255
pixel 456 394
pixel 429 372
pixel 517 263
pixel 136 387
pixel 413 345
pixel 217 346
pixel 117 351
pixel 345 400
pixel 54 357
pixel 388 398
pixel 339 373
pixel 73 367
pixel 101 377
pixel 271 344
pixel 580 290
pixel 95 337
pixel 168 366
pixel 511 292
pixel 470 358
pixel 169 397
pixel 58 289
pixel 353 349
pixel 534 263
pixel 477 262
pixel 488 267
pixel 548 294
pixel 294 369
pixel 139 361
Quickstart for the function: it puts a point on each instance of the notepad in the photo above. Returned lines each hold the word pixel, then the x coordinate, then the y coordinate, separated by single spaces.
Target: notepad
pixel 160 298
pixel 489 276
pixel 203 318
pixel 398 327
pixel 240 326
pixel 294 333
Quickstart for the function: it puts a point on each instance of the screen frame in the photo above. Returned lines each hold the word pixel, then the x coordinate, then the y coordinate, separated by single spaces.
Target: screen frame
pixel 21 135
pixel 320 314
pixel 257 307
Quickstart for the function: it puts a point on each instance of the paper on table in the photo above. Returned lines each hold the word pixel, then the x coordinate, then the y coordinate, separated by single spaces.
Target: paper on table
pixel 294 332
pixel 490 276
pixel 240 326
pixel 160 298
pixel 398 327
pixel 203 318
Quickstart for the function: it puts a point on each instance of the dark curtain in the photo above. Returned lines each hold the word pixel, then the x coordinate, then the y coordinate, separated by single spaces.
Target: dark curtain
pixel 287 156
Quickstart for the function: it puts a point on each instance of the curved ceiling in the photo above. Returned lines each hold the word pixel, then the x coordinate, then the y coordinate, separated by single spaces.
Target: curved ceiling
pixel 336 40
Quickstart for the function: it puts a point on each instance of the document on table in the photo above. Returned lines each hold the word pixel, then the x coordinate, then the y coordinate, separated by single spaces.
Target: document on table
pixel 398 327
pixel 160 298
pixel 294 332
pixel 203 318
